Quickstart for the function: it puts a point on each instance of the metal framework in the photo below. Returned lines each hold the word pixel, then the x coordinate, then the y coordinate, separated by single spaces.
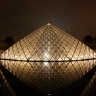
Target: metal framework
pixel 48 59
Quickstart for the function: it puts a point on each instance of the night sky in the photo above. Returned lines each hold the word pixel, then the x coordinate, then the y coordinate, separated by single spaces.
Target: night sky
pixel 18 18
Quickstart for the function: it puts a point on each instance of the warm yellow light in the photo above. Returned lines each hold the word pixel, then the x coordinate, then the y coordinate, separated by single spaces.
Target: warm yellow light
pixel 46 63
pixel 46 55
pixel 48 24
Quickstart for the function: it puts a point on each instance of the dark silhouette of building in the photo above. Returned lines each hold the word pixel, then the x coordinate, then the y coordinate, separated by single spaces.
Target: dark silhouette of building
pixel 4 45
pixel 91 42
pixel 10 41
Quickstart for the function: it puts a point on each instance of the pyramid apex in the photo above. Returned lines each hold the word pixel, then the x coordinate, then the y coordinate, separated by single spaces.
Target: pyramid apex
pixel 48 24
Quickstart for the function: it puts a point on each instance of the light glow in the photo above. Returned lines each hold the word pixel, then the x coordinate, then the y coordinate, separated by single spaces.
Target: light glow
pixel 46 55
pixel 48 24
pixel 46 63
pixel 48 94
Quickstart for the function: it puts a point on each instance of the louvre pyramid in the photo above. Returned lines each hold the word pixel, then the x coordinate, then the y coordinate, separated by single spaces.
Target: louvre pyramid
pixel 48 59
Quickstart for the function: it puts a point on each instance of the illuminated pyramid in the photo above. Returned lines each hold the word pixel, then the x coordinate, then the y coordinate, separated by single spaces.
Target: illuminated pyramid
pixel 48 59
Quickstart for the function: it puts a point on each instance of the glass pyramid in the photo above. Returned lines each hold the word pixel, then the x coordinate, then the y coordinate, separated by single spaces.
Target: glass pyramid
pixel 48 59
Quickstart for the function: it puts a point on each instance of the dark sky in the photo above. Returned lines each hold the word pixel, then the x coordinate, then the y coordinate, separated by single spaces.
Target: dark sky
pixel 18 18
